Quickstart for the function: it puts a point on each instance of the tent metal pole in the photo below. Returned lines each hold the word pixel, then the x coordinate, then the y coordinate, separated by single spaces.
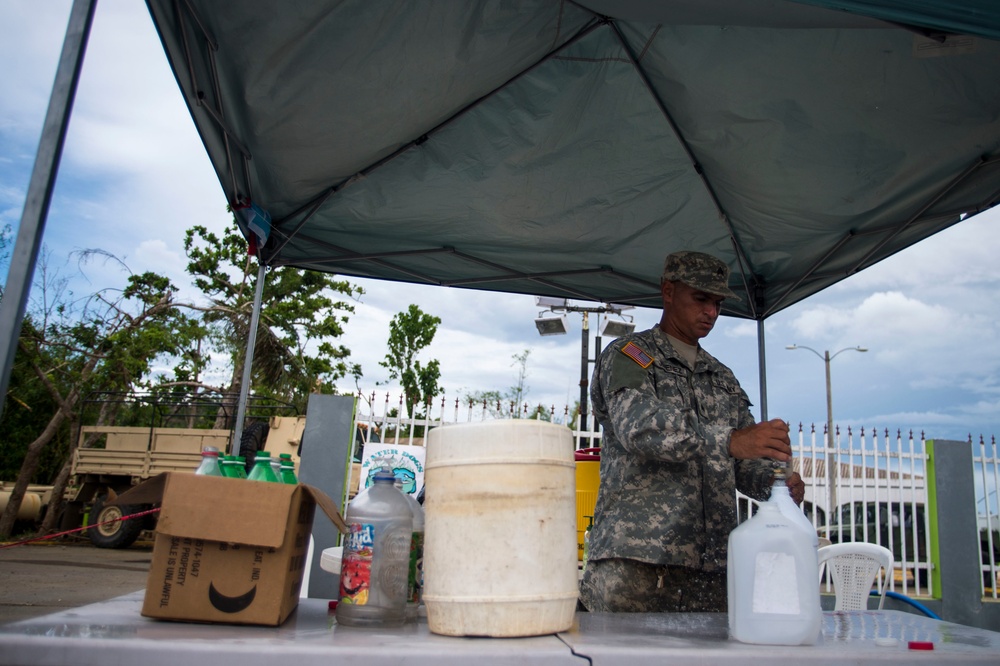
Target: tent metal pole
pixel 40 187
pixel 241 409
pixel 762 370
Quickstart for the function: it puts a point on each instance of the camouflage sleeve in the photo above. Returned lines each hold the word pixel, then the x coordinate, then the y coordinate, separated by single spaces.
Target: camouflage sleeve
pixel 659 427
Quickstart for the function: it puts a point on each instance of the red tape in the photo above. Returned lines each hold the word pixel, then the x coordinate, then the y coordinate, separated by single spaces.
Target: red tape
pixel 79 529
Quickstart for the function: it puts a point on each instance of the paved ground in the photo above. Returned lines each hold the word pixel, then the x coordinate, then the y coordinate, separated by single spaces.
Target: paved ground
pixel 48 578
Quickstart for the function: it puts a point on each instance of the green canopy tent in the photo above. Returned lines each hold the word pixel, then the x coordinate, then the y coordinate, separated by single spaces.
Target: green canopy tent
pixel 563 148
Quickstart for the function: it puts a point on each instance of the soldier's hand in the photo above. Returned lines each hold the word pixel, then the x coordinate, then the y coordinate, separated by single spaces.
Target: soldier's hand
pixel 796 487
pixel 762 440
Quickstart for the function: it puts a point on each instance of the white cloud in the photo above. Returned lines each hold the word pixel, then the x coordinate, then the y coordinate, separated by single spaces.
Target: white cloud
pixel 739 329
pixel 156 256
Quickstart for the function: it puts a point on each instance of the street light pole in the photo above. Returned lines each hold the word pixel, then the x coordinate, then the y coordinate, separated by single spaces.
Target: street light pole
pixel 557 326
pixel 831 450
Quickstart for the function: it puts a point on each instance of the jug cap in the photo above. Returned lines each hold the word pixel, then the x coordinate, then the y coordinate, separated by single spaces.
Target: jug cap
pixel 385 473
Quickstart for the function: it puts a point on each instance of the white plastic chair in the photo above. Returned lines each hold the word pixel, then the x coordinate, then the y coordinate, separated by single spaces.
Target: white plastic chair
pixel 854 567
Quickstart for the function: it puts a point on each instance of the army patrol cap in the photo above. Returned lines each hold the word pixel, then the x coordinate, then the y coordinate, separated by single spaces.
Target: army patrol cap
pixel 699 270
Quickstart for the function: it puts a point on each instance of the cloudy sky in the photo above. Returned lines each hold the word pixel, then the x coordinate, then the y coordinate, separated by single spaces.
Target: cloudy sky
pixel 134 176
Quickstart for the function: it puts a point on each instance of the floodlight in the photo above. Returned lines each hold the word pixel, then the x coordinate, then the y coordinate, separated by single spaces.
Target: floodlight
pixel 550 302
pixel 616 329
pixel 551 325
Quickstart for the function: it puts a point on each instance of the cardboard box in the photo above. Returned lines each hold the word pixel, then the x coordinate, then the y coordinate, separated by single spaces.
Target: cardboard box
pixel 228 550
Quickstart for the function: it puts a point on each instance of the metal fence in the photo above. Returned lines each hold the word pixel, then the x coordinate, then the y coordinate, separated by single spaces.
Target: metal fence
pixel 878 480
pixel 877 484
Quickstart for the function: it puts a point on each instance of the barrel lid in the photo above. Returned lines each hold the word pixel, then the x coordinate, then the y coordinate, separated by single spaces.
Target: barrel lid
pixel 522 439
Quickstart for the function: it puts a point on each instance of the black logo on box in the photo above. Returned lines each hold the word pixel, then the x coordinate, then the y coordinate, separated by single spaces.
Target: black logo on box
pixel 228 604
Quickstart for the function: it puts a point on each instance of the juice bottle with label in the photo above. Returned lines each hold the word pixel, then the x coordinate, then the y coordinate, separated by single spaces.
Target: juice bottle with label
pixel 375 565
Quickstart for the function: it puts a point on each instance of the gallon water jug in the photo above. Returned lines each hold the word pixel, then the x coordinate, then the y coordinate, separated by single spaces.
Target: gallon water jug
pixel 783 498
pixel 500 552
pixel 773 581
pixel 376 556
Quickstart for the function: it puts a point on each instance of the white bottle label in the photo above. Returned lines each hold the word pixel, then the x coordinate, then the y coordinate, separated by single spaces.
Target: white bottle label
pixel 775 585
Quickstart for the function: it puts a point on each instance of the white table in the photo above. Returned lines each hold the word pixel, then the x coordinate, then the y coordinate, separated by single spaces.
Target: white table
pixel 848 637
pixel 113 632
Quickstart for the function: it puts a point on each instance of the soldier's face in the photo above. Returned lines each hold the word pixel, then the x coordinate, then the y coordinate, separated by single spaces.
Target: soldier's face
pixel 688 313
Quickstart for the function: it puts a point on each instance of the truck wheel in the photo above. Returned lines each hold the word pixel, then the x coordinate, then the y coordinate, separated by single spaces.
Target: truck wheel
pixel 120 534
pixel 254 439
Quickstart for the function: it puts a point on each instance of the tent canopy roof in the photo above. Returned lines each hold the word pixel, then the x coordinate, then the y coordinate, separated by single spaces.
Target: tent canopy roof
pixel 563 148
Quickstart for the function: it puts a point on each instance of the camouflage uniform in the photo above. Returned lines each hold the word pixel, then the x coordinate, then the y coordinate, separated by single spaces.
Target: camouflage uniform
pixel 667 494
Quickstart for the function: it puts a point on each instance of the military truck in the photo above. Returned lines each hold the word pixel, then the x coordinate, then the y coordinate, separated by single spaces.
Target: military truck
pixel 110 459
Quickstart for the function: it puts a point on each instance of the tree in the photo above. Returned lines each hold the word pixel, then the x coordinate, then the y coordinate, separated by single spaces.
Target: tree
pixel 294 354
pixel 520 390
pixel 511 403
pixel 5 234
pixel 409 333
pixel 69 348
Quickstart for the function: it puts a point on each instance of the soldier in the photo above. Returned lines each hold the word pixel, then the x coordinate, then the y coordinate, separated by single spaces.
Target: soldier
pixel 679 440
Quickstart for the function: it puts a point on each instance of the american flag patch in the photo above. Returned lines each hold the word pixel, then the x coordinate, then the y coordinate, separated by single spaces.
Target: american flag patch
pixel 637 355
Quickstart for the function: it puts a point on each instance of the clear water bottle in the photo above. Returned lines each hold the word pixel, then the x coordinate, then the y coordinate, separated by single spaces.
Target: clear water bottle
pixel 209 463
pixel 376 558
pixel 415 570
pixel 262 470
pixel 287 469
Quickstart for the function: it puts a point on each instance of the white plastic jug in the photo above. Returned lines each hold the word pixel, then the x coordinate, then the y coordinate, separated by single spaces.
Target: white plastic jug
pixel 500 553
pixel 773 581
pixel 781 496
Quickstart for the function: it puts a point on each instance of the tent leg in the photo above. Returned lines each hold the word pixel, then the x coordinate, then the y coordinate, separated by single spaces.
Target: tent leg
pixel 43 179
pixel 241 409
pixel 762 370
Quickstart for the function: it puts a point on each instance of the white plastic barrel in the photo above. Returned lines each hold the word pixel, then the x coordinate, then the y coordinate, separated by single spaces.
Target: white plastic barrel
pixel 773 581
pixel 500 552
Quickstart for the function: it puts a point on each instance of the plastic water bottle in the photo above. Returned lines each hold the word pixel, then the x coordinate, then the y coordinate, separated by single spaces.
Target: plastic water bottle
pixel 275 467
pixel 773 581
pixel 415 570
pixel 287 469
pixel 209 463
pixel 262 470
pixel 373 571
pixel 235 467
pixel 227 464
